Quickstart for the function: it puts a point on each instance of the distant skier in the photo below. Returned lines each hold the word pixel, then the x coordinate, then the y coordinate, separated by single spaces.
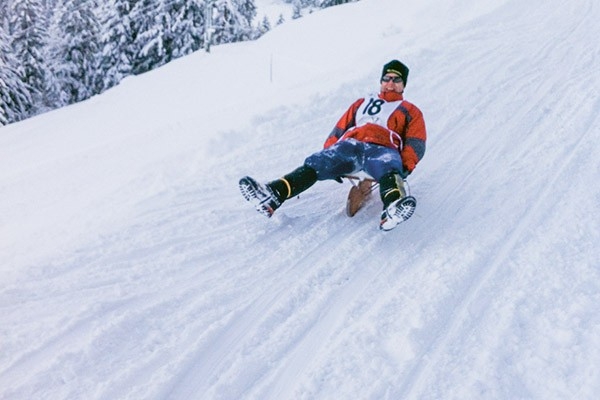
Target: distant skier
pixel 383 135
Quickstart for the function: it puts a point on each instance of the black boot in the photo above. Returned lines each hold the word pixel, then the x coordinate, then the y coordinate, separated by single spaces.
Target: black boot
pixel 261 196
pixel 293 183
pixel 391 188
pixel 397 207
pixel 268 198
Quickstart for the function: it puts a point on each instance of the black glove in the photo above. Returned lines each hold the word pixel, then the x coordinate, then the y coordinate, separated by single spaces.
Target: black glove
pixel 403 173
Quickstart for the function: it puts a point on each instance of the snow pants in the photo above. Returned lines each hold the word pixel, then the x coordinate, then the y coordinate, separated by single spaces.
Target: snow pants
pixel 351 156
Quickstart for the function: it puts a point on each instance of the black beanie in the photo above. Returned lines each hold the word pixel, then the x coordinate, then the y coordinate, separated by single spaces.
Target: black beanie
pixel 396 67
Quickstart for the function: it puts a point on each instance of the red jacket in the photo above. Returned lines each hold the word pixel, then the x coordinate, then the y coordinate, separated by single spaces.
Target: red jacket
pixel 387 120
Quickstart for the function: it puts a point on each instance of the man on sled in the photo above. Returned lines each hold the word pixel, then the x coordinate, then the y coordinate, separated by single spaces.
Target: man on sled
pixel 382 135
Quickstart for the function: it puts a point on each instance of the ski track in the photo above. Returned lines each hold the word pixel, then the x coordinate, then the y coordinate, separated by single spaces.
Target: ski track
pixel 328 317
pixel 297 277
pixel 266 304
pixel 417 382
pixel 450 328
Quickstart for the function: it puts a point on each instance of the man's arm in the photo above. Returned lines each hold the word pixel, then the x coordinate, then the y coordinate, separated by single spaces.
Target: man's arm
pixel 346 122
pixel 414 141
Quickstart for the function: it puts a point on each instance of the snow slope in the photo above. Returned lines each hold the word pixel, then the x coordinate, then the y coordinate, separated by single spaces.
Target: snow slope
pixel 131 267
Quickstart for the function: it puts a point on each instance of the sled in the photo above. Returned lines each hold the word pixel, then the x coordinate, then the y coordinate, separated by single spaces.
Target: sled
pixel 360 192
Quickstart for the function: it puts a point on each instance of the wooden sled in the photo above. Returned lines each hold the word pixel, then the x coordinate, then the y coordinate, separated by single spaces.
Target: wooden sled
pixel 360 192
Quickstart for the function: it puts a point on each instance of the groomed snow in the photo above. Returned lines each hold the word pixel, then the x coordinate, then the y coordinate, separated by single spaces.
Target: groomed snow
pixel 131 267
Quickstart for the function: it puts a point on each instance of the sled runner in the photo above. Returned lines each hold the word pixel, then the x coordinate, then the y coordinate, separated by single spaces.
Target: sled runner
pixel 362 187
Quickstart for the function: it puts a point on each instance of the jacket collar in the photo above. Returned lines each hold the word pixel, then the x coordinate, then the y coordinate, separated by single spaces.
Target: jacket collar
pixel 391 96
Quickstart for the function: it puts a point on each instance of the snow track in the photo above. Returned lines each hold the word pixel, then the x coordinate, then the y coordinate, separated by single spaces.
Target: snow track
pixel 490 291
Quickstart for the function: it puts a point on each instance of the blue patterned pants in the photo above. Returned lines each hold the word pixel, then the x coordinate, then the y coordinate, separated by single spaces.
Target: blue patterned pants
pixel 351 156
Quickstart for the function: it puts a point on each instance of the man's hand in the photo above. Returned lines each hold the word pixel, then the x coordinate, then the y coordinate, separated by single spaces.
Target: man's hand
pixel 404 173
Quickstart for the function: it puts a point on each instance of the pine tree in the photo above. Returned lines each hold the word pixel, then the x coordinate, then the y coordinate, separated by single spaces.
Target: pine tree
pixel 330 3
pixel 66 51
pixel 73 52
pixel 247 9
pixel 151 27
pixel 117 38
pixel 265 26
pixel 299 5
pixel 281 20
pixel 231 24
pixel 15 98
pixel 166 30
pixel 187 34
pixel 297 13
pixel 27 29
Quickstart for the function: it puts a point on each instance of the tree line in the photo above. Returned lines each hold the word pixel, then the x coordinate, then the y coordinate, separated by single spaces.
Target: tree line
pixel 58 52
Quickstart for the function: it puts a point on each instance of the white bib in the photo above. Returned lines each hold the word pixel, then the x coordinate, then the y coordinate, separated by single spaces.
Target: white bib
pixel 375 111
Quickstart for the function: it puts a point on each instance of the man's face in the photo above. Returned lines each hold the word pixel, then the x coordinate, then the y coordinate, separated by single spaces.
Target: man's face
pixel 391 82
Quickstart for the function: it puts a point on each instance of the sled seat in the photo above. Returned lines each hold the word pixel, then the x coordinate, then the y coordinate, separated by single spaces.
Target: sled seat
pixel 362 186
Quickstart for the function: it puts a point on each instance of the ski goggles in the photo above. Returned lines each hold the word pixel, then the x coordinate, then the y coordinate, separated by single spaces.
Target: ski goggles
pixel 388 78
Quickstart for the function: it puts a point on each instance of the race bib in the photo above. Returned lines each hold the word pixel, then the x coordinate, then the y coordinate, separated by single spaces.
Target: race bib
pixel 375 111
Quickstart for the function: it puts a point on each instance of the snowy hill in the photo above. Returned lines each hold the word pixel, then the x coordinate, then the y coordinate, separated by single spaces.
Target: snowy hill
pixel 133 269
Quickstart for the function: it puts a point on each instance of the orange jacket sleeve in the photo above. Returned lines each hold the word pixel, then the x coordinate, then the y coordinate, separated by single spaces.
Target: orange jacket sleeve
pixel 414 139
pixel 346 122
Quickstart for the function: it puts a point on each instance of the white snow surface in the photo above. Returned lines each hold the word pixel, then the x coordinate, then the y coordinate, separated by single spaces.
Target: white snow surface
pixel 132 268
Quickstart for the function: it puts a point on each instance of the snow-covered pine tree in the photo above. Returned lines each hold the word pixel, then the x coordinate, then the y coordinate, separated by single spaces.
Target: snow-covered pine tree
pixel 151 27
pixel 297 10
pixel 15 98
pixel 247 9
pixel 187 34
pixel 310 4
pixel 265 26
pixel 330 3
pixel 280 20
pixel 4 17
pixel 91 46
pixel 168 29
pixel 117 38
pixel 231 24
pixel 73 53
pixel 26 20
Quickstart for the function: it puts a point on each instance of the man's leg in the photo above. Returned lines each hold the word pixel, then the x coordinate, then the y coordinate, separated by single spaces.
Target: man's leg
pixel 269 197
pixel 294 183
pixel 384 164
pixel 391 188
pixel 341 159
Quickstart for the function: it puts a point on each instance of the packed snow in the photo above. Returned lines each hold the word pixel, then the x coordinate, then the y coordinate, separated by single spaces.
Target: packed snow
pixel 132 268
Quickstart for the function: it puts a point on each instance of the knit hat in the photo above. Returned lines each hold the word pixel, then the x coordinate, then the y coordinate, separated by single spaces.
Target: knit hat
pixel 396 67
